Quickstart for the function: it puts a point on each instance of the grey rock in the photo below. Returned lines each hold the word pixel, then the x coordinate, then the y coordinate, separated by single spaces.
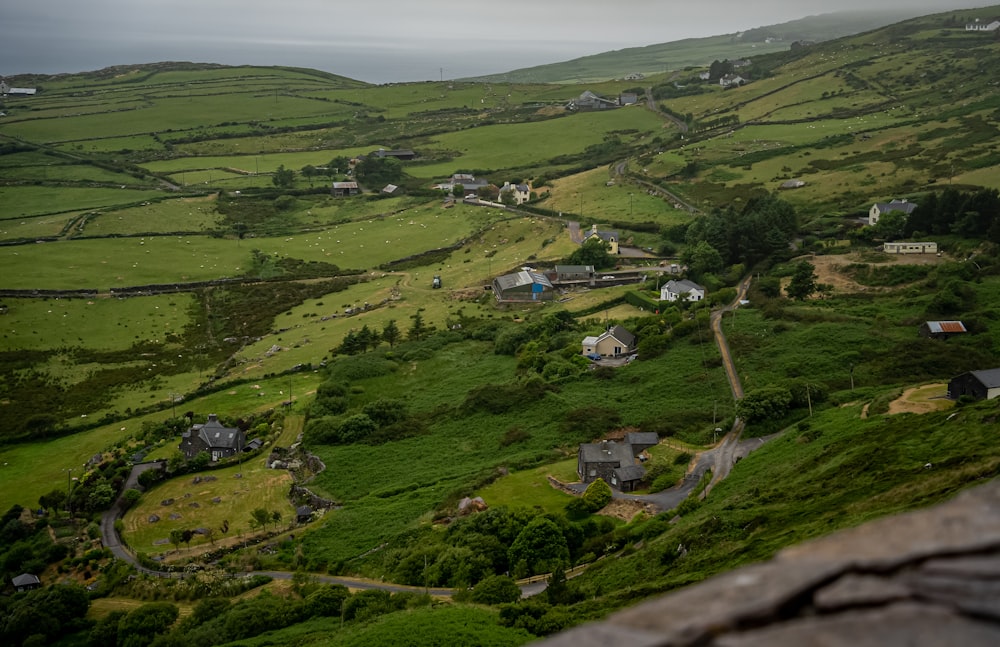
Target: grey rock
pixel 859 591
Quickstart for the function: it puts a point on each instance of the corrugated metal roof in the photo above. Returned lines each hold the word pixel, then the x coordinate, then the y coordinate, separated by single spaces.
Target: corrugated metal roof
pixel 946 326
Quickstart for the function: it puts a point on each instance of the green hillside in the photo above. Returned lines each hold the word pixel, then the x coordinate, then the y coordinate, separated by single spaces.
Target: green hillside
pixel 650 60
pixel 171 248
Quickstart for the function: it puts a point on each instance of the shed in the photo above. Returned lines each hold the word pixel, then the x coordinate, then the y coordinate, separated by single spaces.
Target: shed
pixel 26 582
pixel 941 329
pixel 523 286
pixel 910 248
pixel 979 385
pixel 303 514
pixel 574 272
pixel 340 189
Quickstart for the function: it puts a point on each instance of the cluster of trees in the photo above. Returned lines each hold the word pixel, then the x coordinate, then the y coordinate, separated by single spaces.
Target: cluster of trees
pixel 366 338
pixel 593 251
pixel 973 214
pixel 378 171
pixel 43 616
pixel 763 228
pixel 498 542
pixel 378 421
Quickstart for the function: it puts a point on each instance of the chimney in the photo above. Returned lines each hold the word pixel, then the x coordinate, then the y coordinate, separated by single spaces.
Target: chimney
pixel 604 447
pixel 212 417
pixel 593 229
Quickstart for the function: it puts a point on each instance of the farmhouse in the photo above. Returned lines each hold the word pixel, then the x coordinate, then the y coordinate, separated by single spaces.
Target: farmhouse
pixel 731 80
pixel 628 98
pixel 980 385
pixel 609 237
pixel 941 329
pixel 634 76
pixel 682 289
pixel 590 101
pixel 880 208
pixel 520 192
pixel 341 189
pixel 26 582
pixel 910 248
pixel 980 25
pixel 469 183
pixel 523 286
pixel 614 342
pixel 212 437
pixel 619 464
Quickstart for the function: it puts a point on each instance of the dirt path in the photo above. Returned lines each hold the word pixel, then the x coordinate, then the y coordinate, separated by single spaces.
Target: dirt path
pixel 922 399
pixel 829 268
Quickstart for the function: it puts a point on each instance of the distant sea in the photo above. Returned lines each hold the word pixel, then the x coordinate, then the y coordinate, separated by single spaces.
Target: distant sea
pixel 370 61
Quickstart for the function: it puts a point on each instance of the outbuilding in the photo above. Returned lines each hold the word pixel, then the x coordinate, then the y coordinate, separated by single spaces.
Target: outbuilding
pixel 979 385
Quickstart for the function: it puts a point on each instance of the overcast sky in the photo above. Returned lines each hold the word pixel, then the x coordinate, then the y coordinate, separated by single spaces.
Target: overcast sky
pixel 377 40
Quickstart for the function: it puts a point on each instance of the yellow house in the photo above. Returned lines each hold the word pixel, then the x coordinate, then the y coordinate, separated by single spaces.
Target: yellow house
pixel 609 237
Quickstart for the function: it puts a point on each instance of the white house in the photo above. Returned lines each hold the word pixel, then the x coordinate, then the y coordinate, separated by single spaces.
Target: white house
pixel 730 80
pixel 681 290
pixel 521 192
pixel 880 208
pixel 979 25
pixel 704 76
pixel 910 248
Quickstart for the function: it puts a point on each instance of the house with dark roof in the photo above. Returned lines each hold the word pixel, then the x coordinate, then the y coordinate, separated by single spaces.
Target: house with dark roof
pixel 614 342
pixel 572 273
pixel 340 189
pixel 609 237
pixel 523 287
pixel 212 437
pixel 521 192
pixel 731 80
pixel 682 289
pixel 26 582
pixel 979 385
pixel 404 155
pixel 881 208
pixel 941 329
pixel 619 464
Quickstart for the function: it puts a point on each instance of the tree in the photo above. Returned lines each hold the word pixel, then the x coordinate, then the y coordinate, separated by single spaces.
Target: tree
pixel 390 333
pixel 594 251
pixel 283 177
pixel 803 283
pixel 598 495
pixel 176 537
pixel 355 428
pixel 53 500
pixel 417 329
pixel 140 626
pixel 276 517
pixel 496 589
pixel 766 403
pixel 259 518
pixel 309 172
pixel 539 547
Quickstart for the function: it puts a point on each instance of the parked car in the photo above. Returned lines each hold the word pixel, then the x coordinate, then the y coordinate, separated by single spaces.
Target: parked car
pixel 607 276
pixel 596 357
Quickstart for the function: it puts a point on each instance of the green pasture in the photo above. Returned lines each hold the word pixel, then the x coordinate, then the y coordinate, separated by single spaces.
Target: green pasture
pixel 252 161
pixel 160 217
pixel 105 263
pixel 233 494
pixel 70 172
pixel 531 144
pixel 113 145
pixel 176 113
pixel 34 227
pixel 31 200
pixel 321 138
pixel 311 330
pixel 99 323
pixel 531 488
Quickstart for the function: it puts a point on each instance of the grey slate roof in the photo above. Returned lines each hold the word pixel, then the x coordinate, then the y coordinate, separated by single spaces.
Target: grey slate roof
pixel 682 286
pixel 25 579
pixel 630 473
pixel 574 269
pixel 214 434
pixel 647 438
pixel 990 378
pixel 607 452
pixel 896 205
